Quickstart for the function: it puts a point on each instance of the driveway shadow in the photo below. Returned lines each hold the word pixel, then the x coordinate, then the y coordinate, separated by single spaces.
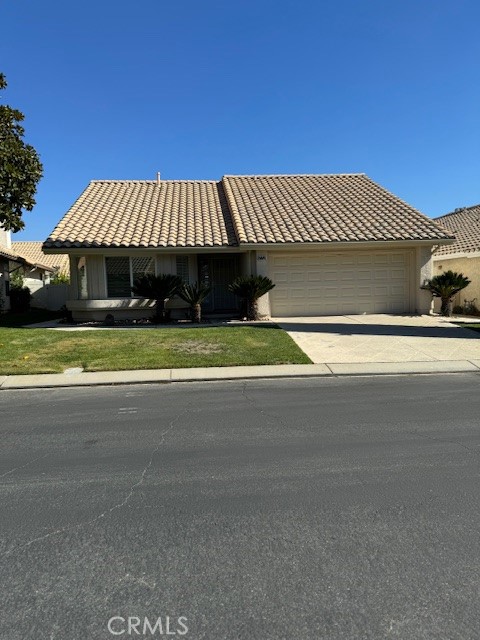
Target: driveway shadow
pixel 403 330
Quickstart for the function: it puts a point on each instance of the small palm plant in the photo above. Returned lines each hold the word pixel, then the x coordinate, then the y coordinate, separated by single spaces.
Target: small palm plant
pixel 249 289
pixel 446 286
pixel 159 288
pixel 194 295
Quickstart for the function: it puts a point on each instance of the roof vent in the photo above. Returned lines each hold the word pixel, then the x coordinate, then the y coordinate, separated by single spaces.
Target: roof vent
pixel 158 178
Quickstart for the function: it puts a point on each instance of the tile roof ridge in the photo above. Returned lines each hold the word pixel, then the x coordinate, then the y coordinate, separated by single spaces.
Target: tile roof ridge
pixel 458 210
pixel 292 175
pixel 26 241
pixel 234 211
pixel 154 181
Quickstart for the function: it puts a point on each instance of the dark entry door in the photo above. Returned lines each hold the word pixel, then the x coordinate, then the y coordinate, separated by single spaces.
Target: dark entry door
pixel 219 272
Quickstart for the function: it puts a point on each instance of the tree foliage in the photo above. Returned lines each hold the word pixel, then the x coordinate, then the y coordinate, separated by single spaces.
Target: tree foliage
pixel 249 289
pixel 20 168
pixel 445 286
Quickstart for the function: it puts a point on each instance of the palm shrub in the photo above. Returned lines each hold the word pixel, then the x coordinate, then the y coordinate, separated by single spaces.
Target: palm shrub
pixel 249 289
pixel 159 288
pixel 194 295
pixel 446 286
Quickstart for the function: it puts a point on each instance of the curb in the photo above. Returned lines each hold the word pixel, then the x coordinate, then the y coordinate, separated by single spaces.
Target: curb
pixel 211 374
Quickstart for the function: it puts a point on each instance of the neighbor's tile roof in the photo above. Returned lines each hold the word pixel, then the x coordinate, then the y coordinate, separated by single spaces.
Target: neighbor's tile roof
pixel 239 210
pixel 173 213
pixel 10 255
pixel 322 208
pixel 32 251
pixel 465 225
pixel 13 256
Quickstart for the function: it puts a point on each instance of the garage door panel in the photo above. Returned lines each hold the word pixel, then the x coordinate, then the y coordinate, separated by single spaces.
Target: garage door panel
pixel 334 284
pixel 364 274
pixel 327 275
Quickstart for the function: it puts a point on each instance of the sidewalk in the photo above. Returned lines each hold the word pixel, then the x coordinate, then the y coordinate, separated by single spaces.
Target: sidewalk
pixel 164 376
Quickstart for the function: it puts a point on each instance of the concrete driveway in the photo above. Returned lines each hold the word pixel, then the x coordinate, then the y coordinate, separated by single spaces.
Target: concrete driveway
pixel 381 338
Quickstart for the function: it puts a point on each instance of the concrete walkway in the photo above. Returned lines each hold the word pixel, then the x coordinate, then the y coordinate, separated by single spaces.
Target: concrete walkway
pixel 85 379
pixel 382 339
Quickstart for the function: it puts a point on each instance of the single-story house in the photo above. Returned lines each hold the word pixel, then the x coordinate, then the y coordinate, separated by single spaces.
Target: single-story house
pixel 332 244
pixel 463 255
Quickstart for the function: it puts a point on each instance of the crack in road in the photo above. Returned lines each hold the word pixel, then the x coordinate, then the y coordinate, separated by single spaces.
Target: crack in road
pixel 115 507
pixel 7 473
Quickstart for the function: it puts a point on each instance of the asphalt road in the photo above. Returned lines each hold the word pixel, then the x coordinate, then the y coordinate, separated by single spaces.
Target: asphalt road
pixel 330 508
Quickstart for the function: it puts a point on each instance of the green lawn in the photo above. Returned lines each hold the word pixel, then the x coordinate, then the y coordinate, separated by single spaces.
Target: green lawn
pixel 48 351
pixel 467 325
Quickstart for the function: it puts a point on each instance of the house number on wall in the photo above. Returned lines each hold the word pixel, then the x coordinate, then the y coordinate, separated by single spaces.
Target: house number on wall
pixel 261 257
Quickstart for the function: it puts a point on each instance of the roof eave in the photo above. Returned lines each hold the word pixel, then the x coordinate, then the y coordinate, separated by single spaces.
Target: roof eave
pixel 350 244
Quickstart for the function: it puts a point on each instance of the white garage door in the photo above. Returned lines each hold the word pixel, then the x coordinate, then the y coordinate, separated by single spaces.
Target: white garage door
pixel 339 283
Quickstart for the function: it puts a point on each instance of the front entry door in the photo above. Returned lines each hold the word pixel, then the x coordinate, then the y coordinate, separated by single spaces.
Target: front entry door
pixel 219 272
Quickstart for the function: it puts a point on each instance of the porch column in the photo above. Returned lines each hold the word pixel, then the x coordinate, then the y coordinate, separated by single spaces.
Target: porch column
pixel 261 261
pixel 73 291
pixel 423 272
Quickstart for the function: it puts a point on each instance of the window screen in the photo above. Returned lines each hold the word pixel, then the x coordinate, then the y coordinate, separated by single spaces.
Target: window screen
pixel 182 268
pixel 118 277
pixel 141 266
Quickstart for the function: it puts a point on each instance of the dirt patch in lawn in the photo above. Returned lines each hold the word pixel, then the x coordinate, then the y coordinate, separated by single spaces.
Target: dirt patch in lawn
pixel 197 346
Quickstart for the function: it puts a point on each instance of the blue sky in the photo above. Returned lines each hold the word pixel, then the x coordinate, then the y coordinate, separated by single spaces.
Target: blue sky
pixel 198 89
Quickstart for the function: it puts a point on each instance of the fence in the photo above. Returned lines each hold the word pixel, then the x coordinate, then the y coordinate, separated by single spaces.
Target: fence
pixel 50 296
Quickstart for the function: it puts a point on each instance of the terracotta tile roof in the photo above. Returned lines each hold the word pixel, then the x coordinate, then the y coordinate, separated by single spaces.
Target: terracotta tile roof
pixel 32 252
pixel 239 210
pixel 11 255
pixel 322 208
pixel 465 225
pixel 172 213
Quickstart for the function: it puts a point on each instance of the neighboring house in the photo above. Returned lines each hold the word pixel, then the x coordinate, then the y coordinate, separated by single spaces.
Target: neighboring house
pixel 38 272
pixel 332 244
pixel 463 256
pixel 45 265
pixel 11 261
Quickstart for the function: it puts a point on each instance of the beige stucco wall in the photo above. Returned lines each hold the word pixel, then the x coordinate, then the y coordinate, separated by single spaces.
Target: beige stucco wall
pixel 261 269
pixel 253 262
pixel 469 266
